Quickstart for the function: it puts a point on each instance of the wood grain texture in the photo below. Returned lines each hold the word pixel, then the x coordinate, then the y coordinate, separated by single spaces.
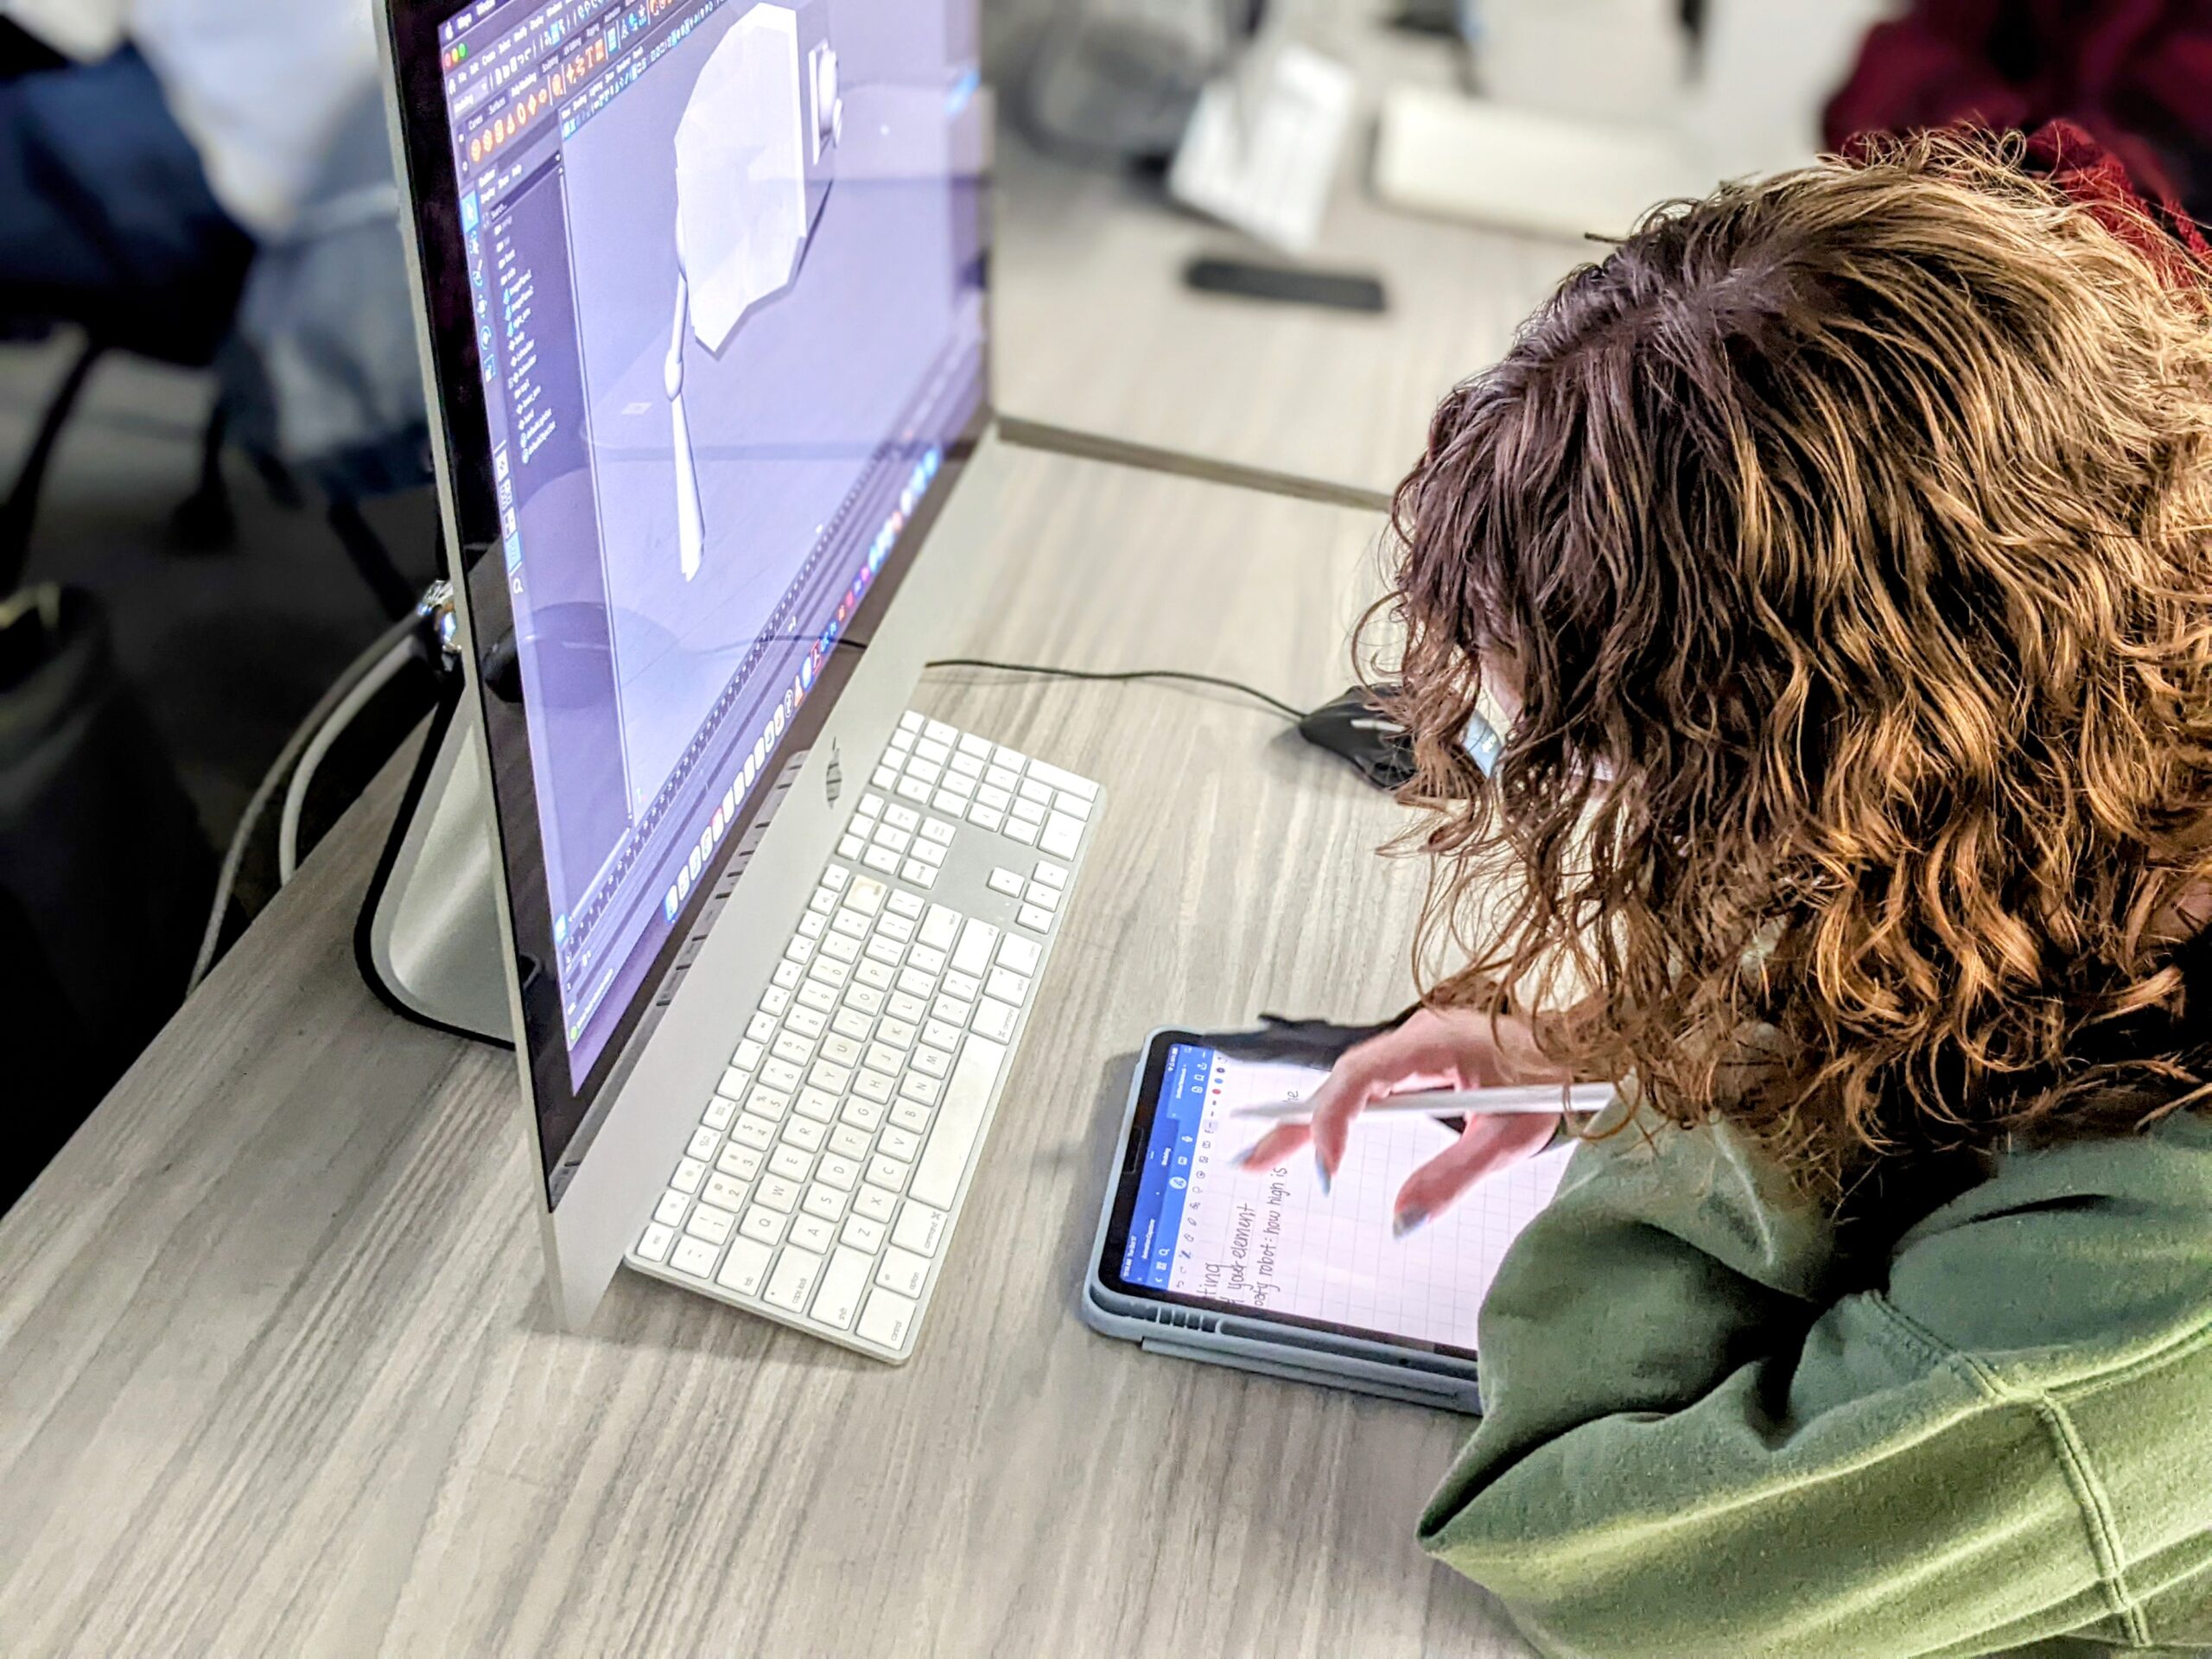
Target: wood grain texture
pixel 277 1374
pixel 1096 330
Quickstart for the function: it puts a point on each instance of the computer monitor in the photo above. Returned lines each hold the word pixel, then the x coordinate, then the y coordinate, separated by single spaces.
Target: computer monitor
pixel 704 331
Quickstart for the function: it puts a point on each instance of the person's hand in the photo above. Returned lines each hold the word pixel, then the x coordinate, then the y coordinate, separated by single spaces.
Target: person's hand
pixel 1434 1049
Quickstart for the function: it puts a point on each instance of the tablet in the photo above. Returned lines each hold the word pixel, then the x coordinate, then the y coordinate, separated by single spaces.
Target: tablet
pixel 1260 1268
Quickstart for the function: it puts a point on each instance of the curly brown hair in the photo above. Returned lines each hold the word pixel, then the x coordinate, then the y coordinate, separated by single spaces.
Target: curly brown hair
pixel 1850 536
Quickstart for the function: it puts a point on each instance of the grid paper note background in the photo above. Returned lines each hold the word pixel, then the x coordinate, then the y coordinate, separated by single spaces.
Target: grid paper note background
pixel 1270 1238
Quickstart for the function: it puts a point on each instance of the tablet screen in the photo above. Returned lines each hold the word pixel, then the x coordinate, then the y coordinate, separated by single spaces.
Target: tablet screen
pixel 1199 1229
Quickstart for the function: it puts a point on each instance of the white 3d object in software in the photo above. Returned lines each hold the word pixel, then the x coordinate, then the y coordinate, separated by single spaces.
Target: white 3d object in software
pixel 754 153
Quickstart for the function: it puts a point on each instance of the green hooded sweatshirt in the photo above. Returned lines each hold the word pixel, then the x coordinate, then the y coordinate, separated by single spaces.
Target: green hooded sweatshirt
pixel 1713 1432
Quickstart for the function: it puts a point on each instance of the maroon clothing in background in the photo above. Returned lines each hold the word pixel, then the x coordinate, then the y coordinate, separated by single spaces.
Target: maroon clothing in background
pixel 2134 74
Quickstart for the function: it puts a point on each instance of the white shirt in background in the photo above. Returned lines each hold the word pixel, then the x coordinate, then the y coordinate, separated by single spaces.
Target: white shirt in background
pixel 260 86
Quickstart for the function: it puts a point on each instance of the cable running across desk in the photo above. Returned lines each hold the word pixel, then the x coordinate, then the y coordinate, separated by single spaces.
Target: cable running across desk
pixel 1123 676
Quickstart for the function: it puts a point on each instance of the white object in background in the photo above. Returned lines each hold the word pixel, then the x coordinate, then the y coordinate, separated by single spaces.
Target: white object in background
pixel 1613 61
pixel 1262 149
pixel 1766 69
pixel 1438 152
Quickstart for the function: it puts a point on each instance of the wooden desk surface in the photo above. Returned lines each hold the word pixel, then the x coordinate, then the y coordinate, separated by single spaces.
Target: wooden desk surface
pixel 277 1374
pixel 1097 332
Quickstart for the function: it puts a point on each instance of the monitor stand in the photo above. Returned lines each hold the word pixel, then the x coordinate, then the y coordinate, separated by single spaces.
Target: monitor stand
pixel 430 935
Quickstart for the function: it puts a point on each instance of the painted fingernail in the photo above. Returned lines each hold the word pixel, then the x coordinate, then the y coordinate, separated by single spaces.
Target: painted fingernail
pixel 1407 1221
pixel 1245 1156
pixel 1321 1173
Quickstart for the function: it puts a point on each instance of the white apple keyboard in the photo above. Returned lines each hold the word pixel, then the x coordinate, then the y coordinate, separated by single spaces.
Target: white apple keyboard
pixel 823 1182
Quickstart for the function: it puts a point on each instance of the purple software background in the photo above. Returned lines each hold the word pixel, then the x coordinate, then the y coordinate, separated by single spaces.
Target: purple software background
pixel 804 430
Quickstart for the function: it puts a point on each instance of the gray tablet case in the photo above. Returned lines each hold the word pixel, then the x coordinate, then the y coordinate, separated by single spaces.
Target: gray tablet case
pixel 1248 1343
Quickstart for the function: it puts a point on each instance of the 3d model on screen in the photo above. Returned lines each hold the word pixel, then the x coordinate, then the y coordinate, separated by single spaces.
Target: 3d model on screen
pixel 754 153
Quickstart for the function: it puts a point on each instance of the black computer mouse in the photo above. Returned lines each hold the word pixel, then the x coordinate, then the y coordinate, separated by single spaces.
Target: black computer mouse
pixel 1353 727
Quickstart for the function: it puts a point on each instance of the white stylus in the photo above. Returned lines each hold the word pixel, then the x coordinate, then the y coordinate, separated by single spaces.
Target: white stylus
pixel 1519 1101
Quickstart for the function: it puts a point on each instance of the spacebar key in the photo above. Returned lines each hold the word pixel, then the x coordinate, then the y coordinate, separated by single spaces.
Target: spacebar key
pixel 967 1093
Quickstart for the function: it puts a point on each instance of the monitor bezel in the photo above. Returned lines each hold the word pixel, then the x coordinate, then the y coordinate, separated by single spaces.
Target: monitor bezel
pixel 460 428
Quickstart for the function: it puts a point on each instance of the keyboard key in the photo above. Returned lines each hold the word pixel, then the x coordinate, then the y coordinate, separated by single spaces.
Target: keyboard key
pixel 1007 986
pixel 935 752
pixel 1036 790
pixel 725 1193
pixel 1008 882
pixel 738 1163
pixel 887 1172
pixel 850 923
pixel 805 1132
pixel 781 1075
pixel 843 1051
pixel 959 1119
pixel 879 976
pixel 748 1057
pixel 1074 805
pixel 886 951
pixel 694 1257
pixel 825 1201
pixel 764 1224
pixel 669 1212
pixel 878 1205
pixel 1043 897
pixel 906 1004
pixel 690 1172
pixel 790 1162
pixel 915 983
pixel 916 1087
pixel 761 1027
pixel 987 817
pixel 923 959
pixel 1036 920
pixel 901 1144
pixel 1019 954
pixel 710 1224
pixel 910 1116
pixel 817 1104
pixel 1067 780
pixel 851 1023
pixel 892 840
pixel 790 1045
pixel 745 1267
pixel 902 1271
pixel 906 904
pixel 885 1319
pixel 830 972
pixel 862 1113
pixel 848 1143
pixel 775 999
pixel 834 877
pixel 777 1193
pixel 903 819
pixel 653 1245
pixel 872 1085
pixel 994 1019
pixel 922 876
pixel 928 852
pixel 920 1228
pixel 995 798
pixel 812 1233
pixel 1023 832
pixel 810 926
pixel 910 721
pixel 922 772
pixel 882 1057
pixel 971 744
pixel 898 1034
pixel 843 1174
pixel 786 975
pixel 869 806
pixel 842 1284
pixel 862 1234
pixel 1061 835
pixel 952 1011
pixel 940 927
pixel 967 766
pixel 912 789
pixel 864 1001
pixel 770 1103
pixel 961 987
pixel 867 895
pixel 838 948
pixel 973 954
pixel 939 1033
pixel 940 731
pixel 819 997
pixel 945 800
pixel 1001 777
pixel 851 847
pixel 824 899
pixel 883 778
pixel 829 1075
pixel 793 1282
pixel 704 1143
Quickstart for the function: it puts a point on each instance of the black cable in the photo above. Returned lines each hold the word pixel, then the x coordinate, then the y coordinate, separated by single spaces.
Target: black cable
pixel 1294 715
